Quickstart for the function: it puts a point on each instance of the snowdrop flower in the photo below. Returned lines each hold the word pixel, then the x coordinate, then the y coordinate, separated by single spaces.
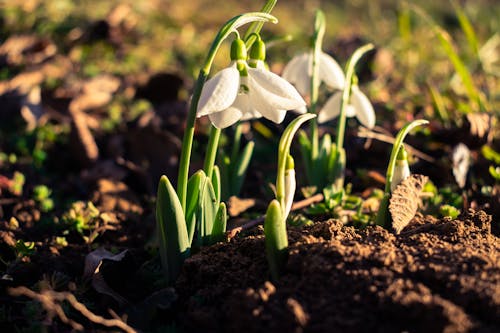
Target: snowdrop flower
pixel 290 186
pixel 299 71
pixel 401 169
pixel 241 92
pixel 359 107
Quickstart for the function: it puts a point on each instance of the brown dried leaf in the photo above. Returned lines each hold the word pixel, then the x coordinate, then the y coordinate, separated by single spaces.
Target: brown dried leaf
pixel 404 201
pixel 93 263
pixel 480 124
pixel 27 49
pixel 236 206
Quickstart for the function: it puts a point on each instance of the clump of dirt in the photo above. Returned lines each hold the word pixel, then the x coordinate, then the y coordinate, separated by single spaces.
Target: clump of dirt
pixel 436 276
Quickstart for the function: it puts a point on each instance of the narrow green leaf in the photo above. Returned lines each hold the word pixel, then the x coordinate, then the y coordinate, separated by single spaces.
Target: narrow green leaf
pixel 383 218
pixel 240 168
pixel 276 239
pixel 216 183
pixel 467 28
pixel 174 241
pixel 305 150
pixel 207 209
pixel 339 169
pixel 225 174
pixel 220 224
pixel 193 193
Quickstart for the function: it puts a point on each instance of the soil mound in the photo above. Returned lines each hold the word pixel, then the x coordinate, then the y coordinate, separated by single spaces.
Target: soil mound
pixel 436 276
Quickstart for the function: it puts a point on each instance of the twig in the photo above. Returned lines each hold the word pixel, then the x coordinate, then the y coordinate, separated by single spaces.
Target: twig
pixel 296 205
pixel 51 300
pixel 366 133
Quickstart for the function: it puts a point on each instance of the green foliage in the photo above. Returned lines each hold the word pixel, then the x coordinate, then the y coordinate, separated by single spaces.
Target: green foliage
pixel 41 194
pixel 24 249
pixel 276 239
pixel 17 183
pixel 449 211
pixel 83 217
pixel 174 240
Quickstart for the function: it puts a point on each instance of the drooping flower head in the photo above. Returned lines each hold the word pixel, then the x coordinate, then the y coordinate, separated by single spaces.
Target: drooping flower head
pixel 241 92
pixel 299 71
pixel 359 106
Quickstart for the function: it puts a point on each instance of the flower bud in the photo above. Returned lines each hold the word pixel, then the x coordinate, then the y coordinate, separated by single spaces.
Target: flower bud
pixel 401 169
pixel 257 53
pixel 238 50
pixel 290 185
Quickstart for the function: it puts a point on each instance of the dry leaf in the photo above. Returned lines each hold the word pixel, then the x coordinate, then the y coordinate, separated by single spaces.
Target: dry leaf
pixel 236 206
pixel 93 263
pixel 460 158
pixel 404 201
pixel 480 124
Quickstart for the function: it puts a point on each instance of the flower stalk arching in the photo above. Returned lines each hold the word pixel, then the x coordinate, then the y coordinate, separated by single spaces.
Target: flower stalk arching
pixel 317 39
pixel 187 142
pixel 283 154
pixel 346 94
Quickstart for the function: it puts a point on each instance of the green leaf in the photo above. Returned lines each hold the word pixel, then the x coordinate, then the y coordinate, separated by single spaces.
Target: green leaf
pixel 467 28
pixel 193 193
pixel 216 183
pixel 207 209
pixel 220 224
pixel 338 169
pixel 305 150
pixel 276 239
pixel 174 241
pixel 240 168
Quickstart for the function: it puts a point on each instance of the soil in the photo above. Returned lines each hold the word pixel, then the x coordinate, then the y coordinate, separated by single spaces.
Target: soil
pixel 436 276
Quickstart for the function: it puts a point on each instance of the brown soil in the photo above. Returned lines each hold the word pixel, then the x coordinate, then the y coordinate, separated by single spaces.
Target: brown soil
pixel 436 276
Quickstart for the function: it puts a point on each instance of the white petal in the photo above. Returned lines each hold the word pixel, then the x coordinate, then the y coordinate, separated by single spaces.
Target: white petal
pixel 401 172
pixel 219 92
pixel 331 109
pixel 225 118
pixel 350 111
pixel 364 109
pixel 251 115
pixel 330 72
pixel 298 72
pixel 302 109
pixel 286 96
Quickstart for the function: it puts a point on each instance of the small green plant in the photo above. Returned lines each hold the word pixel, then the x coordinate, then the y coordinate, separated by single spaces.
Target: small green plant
pixel 24 249
pixel 83 217
pixel 395 171
pixel 41 194
pixel 279 208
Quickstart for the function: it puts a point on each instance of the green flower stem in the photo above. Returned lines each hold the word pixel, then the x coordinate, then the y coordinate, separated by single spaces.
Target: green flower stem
pixel 398 143
pixel 236 142
pixel 284 152
pixel 214 136
pixel 350 67
pixel 187 142
pixel 213 143
pixel 319 32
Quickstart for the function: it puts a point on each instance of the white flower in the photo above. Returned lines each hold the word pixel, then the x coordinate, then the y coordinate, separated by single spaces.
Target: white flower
pixel 230 96
pixel 299 71
pixel 359 107
pixel 290 186
pixel 401 172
